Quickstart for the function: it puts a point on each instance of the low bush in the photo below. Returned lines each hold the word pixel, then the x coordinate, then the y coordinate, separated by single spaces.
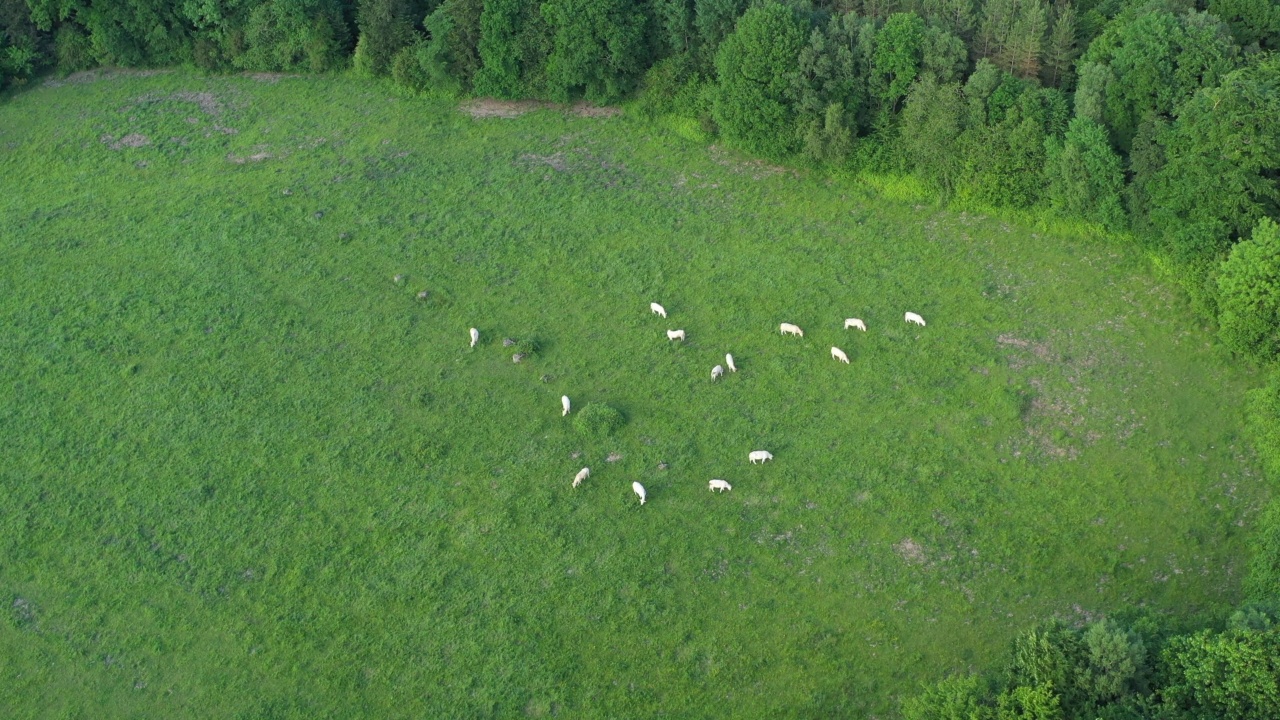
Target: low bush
pixel 597 420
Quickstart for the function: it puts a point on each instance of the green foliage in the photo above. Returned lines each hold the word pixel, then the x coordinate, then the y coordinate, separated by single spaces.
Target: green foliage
pixel 677 35
pixel 751 107
pixel 130 33
pixel 714 21
pixel 1249 294
pixel 1262 584
pixel 1158 61
pixel 597 421
pixel 1253 22
pixel 598 48
pixel 1012 35
pixel 1052 656
pixel 944 56
pixel 930 133
pixel 828 88
pixel 1084 175
pixel 1218 177
pixel 897 56
pixel 1233 675
pixel 959 697
pixel 386 27
pixel 1007 157
pixel 515 41
pixel 1061 47
pixel 451 58
pixel 1117 663
pixel 831 140
pixel 71 49
pixel 957 17
pixel 309 35
pixel 1028 702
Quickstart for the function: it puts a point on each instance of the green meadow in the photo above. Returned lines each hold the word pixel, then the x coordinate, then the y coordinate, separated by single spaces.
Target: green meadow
pixel 248 473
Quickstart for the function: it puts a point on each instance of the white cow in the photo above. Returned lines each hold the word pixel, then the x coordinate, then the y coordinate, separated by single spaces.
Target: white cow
pixel 675 334
pixel 720 485
pixel 728 360
pixel 914 318
pixel 716 372
pixel 638 489
pixel 855 323
pixel 658 309
pixel 789 329
pixel 760 455
pixel 583 474
pixel 838 354
pixel 475 337
pixel 564 403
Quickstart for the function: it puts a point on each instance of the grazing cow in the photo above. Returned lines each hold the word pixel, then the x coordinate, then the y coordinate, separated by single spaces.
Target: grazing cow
pixel 658 309
pixel 475 337
pixel 716 372
pixel 914 318
pixel 564 403
pixel 675 334
pixel 720 485
pixel 583 474
pixel 638 489
pixel 789 329
pixel 838 354
pixel 855 323
pixel 728 360
pixel 760 455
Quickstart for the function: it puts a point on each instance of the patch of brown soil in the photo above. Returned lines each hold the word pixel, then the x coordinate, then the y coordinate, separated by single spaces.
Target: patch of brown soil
pixel 910 550
pixel 133 140
pixel 757 169
pixel 256 157
pixel 269 77
pixel 595 111
pixel 493 108
pixel 88 76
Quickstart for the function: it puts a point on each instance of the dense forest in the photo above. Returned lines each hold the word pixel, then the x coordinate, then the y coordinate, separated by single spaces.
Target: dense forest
pixel 1157 121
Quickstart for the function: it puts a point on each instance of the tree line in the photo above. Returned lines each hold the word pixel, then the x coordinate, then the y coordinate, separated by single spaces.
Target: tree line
pixel 1158 120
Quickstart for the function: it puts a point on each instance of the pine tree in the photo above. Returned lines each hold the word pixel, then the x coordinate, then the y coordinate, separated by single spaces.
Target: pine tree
pixel 998 17
pixel 1061 50
pixel 1021 52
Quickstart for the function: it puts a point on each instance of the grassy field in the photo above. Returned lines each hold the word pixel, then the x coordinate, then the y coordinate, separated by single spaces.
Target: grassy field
pixel 245 474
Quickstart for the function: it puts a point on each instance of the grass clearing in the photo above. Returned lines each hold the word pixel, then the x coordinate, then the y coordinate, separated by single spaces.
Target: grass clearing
pixel 248 474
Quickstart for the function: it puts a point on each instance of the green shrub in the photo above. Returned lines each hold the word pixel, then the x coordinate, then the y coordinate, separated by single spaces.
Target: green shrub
pixel 513 46
pixel 753 66
pixel 1234 675
pixel 957 698
pixel 386 26
pixel 1249 294
pixel 308 35
pixel 597 420
pixel 1085 177
pixel 71 49
pixel 1262 584
pixel 1264 424
pixel 598 47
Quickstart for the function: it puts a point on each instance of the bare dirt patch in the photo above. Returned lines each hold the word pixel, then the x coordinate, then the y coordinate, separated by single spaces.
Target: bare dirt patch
pixel 133 140
pixel 910 550
pixel 88 76
pixel 493 108
pixel 207 102
pixel 595 111
pixel 241 160
pixel 269 77
pixel 757 169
